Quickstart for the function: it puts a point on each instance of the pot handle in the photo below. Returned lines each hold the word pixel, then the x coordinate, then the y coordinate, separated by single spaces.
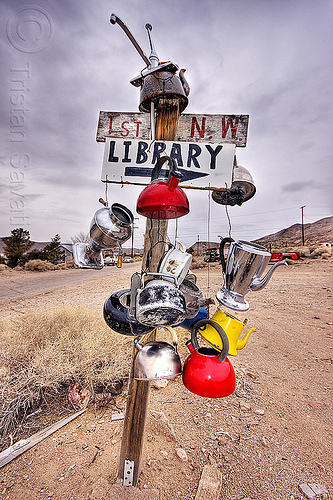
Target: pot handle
pixel 225 342
pixel 222 244
pixel 172 333
pixel 172 168
pixel 162 275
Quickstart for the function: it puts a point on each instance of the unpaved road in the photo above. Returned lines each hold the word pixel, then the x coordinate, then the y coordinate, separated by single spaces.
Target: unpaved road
pixel 274 433
pixel 23 284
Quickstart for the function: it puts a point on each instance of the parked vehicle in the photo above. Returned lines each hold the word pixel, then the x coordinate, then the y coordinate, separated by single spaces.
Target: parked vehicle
pixel 110 261
pixel 211 256
pixel 276 256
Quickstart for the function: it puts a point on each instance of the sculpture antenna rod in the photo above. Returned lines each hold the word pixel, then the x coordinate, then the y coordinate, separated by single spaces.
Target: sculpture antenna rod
pixel 153 57
pixel 115 20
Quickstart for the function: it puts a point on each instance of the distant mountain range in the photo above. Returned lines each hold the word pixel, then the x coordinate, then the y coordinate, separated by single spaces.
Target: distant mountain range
pixel 315 233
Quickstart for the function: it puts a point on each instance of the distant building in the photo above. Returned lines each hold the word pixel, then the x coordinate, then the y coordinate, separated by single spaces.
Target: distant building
pixel 200 247
pixel 68 249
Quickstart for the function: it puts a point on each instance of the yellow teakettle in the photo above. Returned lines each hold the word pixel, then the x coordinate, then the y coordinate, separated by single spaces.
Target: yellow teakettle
pixel 232 326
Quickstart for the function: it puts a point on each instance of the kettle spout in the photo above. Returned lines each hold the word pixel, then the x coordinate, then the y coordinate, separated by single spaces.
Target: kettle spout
pixel 189 346
pixel 241 342
pixel 258 284
pixel 184 83
pixel 137 344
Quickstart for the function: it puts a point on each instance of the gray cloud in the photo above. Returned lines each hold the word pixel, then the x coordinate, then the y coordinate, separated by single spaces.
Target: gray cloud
pixel 266 59
pixel 300 186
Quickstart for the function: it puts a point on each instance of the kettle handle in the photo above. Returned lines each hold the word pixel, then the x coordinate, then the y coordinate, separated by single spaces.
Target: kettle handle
pixel 172 168
pixel 173 334
pixel 225 342
pixel 222 244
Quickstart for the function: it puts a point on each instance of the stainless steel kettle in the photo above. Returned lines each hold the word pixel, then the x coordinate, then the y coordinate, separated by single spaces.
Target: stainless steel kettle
pixel 157 360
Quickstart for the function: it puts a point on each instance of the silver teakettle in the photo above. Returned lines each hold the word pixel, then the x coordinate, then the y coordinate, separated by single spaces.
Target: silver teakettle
pixel 243 269
pixel 157 360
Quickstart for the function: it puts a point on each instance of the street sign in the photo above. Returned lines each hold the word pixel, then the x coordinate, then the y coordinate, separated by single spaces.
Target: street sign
pixel 219 129
pixel 131 161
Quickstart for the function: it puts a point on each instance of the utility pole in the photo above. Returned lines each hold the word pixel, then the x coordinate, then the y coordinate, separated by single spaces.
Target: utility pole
pixel 302 209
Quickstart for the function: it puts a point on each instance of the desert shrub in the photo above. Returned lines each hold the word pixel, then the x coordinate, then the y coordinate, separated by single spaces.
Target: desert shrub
pixel 39 265
pixel 68 264
pixel 303 251
pixel 44 351
pixel 198 263
pixel 320 252
pixel 3 267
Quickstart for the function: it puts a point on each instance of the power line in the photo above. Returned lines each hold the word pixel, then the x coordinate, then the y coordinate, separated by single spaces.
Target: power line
pixel 268 212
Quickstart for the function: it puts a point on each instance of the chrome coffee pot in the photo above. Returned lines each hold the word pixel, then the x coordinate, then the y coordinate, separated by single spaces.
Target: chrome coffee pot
pixel 109 228
pixel 243 269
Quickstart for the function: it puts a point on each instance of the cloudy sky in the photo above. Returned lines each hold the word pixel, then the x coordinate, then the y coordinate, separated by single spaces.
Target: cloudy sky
pixel 62 62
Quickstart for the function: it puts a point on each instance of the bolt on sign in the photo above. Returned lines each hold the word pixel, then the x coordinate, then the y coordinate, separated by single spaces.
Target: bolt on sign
pixel 219 129
pixel 202 164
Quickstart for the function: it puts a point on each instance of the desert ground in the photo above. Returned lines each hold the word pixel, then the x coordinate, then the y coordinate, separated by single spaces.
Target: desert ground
pixel 273 434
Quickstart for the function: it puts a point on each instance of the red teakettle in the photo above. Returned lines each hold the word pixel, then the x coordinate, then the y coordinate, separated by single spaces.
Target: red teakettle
pixel 163 199
pixel 208 372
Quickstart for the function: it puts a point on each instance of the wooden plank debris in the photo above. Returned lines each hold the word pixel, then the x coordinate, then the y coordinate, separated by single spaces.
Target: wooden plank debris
pixel 23 445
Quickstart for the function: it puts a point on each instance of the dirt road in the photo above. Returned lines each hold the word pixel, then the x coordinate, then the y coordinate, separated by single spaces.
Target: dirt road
pixel 18 287
pixel 272 434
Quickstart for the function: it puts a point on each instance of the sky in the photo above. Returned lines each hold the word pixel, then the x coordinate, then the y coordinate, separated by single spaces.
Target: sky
pixel 63 62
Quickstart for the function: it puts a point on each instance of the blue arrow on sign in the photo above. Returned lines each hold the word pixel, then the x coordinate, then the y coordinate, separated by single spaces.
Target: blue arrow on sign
pixel 188 175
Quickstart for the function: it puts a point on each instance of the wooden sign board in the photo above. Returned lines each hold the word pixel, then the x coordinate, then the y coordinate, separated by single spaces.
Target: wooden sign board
pixel 219 129
pixel 131 161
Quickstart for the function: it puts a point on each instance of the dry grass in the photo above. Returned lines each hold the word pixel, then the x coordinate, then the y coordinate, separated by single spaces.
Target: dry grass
pixel 44 352
pixel 68 264
pixel 39 265
pixel 198 263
